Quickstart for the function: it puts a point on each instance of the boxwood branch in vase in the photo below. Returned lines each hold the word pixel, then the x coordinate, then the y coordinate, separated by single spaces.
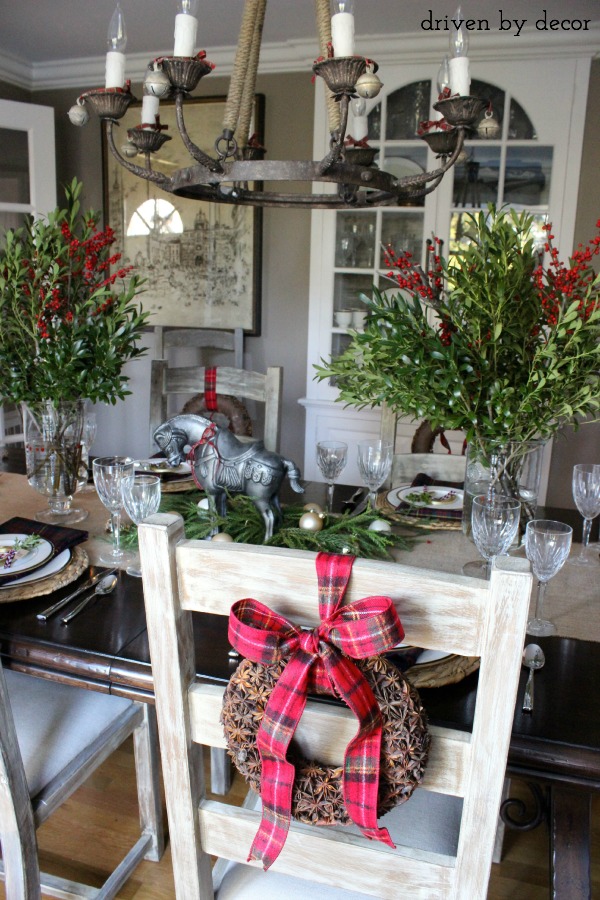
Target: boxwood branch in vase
pixel 492 341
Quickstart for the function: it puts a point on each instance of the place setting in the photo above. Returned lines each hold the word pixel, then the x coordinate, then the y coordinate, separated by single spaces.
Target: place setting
pixel 426 503
pixel 37 558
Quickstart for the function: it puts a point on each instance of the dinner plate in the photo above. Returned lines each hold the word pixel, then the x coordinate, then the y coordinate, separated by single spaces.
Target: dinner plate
pixel 51 568
pixel 161 467
pixel 32 559
pixel 424 657
pixel 439 497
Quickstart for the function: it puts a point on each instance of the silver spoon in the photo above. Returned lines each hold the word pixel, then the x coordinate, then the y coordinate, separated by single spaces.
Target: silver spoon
pixel 533 658
pixel 104 586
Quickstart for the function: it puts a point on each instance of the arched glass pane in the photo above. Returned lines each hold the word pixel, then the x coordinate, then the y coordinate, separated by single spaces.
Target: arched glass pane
pixel 527 176
pixel 406 109
pixel 493 95
pixel 520 126
pixel 476 179
pixel 374 120
pixel 155 217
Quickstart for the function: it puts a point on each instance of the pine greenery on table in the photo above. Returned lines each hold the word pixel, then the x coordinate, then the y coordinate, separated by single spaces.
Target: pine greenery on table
pixel 340 534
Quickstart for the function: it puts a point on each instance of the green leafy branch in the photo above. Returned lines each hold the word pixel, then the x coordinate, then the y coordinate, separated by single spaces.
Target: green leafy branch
pixel 340 534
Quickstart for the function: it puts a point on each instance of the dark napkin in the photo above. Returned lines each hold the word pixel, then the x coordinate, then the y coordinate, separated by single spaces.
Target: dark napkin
pixel 61 538
pixel 423 480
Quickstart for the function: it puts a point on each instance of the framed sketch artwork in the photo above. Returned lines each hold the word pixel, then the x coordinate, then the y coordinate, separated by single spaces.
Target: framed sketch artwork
pixel 201 261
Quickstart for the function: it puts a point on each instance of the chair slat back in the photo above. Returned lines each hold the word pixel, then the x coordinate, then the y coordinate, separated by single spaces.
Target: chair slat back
pixel 200 339
pixel 451 613
pixel 265 388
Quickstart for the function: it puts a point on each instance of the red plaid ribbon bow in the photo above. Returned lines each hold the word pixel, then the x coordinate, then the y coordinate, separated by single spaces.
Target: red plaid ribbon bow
pixel 317 659
pixel 210 388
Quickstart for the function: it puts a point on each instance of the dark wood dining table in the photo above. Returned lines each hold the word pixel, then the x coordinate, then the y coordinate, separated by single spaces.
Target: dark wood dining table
pixel 556 749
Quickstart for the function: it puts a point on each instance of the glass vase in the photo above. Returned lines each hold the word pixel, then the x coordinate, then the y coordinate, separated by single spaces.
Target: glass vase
pixel 508 468
pixel 53 433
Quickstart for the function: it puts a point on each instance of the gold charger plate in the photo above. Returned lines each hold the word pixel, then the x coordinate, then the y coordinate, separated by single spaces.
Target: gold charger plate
pixel 77 564
pixel 431 524
pixel 449 670
pixel 175 487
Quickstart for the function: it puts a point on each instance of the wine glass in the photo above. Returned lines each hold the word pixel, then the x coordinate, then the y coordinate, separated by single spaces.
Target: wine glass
pixel 374 465
pixel 586 494
pixel 331 459
pixel 547 545
pixel 109 472
pixel 141 498
pixel 494 523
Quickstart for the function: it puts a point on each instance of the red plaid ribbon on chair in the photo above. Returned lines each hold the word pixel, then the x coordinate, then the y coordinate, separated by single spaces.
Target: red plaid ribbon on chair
pixel 318 659
pixel 210 388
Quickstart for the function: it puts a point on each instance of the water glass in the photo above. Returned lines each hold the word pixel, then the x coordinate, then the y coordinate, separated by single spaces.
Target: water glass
pixel 547 545
pixel 109 472
pixel 141 498
pixel 495 522
pixel 331 459
pixel 586 494
pixel 374 465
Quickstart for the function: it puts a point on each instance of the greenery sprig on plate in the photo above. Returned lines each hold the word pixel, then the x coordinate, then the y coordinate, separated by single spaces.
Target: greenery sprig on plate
pixel 340 534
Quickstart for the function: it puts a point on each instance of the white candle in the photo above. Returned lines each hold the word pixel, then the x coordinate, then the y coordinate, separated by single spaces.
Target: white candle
pixel 360 122
pixel 460 79
pixel 150 105
pixel 458 66
pixel 185 34
pixel 115 69
pixel 342 31
pixel 115 58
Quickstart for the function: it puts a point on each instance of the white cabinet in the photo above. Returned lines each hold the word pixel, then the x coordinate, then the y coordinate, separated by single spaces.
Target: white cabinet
pixel 533 163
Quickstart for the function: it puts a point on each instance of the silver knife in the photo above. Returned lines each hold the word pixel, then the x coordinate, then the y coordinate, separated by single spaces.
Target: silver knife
pixel 45 614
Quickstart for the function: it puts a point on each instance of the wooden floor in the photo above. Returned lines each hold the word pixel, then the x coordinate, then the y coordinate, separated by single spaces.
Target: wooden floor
pixel 91 830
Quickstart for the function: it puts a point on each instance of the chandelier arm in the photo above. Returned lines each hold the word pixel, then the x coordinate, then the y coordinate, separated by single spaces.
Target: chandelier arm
pixel 323 17
pixel 337 140
pixel 198 154
pixel 242 131
pixel 148 174
pixel 436 174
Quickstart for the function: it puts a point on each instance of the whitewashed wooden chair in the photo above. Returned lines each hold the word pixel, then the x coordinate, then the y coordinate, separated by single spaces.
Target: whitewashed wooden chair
pixel 441 466
pixel 52 737
pixel 205 340
pixel 264 388
pixel 453 613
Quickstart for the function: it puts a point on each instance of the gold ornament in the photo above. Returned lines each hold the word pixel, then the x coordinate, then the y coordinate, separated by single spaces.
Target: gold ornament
pixel 310 521
pixel 223 537
pixel 313 507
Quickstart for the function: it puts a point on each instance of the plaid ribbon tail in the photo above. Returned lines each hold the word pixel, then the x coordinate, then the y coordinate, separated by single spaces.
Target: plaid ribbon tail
pixel 363 753
pixel 282 714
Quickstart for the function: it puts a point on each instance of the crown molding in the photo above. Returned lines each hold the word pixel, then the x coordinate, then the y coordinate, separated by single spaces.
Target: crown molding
pixel 298 56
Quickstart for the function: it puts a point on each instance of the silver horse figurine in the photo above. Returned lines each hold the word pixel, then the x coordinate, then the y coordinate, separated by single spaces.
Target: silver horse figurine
pixel 221 463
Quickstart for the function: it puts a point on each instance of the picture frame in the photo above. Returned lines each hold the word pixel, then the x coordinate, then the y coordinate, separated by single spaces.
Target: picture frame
pixel 201 261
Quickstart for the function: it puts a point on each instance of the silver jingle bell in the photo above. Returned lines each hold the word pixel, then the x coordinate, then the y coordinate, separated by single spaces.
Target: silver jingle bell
pixel 156 82
pixel 489 127
pixel 129 150
pixel 79 115
pixel 368 85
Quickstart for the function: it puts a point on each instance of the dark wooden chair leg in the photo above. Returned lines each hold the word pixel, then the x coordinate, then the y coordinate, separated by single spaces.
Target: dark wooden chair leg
pixel 570 843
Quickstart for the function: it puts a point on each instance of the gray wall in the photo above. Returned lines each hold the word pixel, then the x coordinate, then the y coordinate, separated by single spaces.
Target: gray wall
pixel 583 445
